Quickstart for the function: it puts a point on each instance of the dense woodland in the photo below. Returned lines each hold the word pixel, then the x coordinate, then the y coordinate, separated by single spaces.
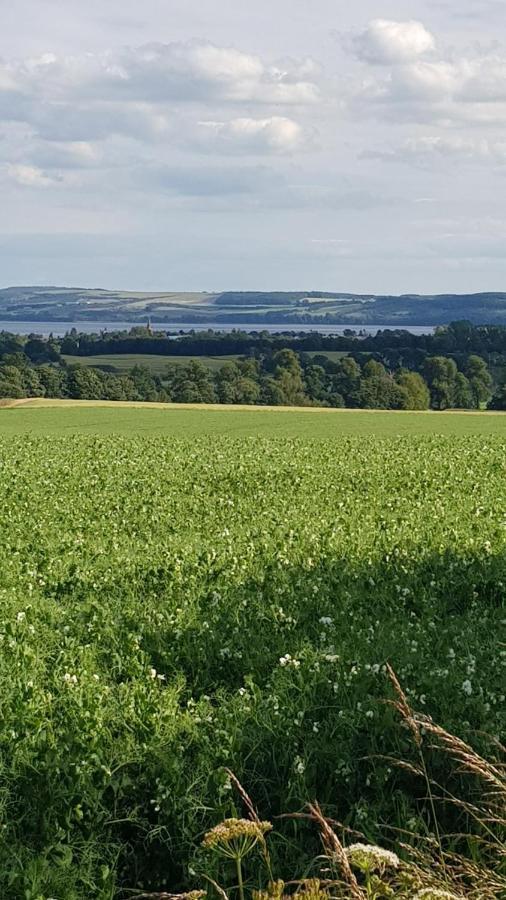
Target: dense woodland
pixel 459 366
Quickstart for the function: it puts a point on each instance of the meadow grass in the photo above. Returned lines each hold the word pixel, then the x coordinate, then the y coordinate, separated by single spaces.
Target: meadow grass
pixel 53 417
pixel 156 364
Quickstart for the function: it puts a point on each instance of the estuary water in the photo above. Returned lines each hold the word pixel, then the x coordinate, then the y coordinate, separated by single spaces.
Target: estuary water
pixel 61 328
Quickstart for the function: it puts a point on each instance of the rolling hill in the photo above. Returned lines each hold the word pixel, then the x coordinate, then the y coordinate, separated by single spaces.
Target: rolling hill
pixel 69 304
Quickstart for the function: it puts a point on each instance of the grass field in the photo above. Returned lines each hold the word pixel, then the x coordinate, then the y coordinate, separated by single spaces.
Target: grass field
pixel 53 417
pixel 334 355
pixel 189 589
pixel 157 365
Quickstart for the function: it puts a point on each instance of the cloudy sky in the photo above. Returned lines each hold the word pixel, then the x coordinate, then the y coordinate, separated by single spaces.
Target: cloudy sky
pixel 254 144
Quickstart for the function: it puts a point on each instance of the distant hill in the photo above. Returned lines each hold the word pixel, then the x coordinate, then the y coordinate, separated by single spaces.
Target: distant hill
pixel 72 304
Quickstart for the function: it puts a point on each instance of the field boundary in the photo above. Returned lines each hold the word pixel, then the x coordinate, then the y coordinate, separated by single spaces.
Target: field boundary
pixel 47 403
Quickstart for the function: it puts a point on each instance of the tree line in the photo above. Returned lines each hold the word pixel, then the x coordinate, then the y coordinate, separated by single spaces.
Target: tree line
pixel 403 347
pixel 35 368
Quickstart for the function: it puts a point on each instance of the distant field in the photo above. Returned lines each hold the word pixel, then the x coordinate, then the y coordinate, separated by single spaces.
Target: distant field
pixel 334 355
pixel 156 364
pixel 54 417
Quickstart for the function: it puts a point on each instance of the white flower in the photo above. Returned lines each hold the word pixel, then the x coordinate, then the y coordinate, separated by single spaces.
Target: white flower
pixel 299 765
pixel 326 620
pixel 369 858
pixel 434 894
pixel 467 687
pixel 287 660
pixel 21 616
pixel 152 673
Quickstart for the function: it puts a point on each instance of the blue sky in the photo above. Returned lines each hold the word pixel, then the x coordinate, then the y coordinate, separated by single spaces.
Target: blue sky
pixel 280 144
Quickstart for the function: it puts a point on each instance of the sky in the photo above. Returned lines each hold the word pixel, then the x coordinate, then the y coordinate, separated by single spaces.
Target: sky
pixel 254 145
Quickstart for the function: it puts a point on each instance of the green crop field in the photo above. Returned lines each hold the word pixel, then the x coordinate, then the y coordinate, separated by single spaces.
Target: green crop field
pixel 59 417
pixel 185 590
pixel 157 365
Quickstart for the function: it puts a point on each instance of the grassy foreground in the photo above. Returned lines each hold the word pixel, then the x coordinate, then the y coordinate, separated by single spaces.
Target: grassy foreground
pixel 186 590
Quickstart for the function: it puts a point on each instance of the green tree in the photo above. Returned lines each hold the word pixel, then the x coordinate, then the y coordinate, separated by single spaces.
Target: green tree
pixel 11 383
pixel 248 391
pixel 463 395
pixel 346 378
pixel 144 385
pixel 379 392
pixel 53 381
pixel 119 387
pixel 85 383
pixel 32 383
pixel 498 401
pixel 271 392
pixel 316 383
pixel 227 383
pixel 191 384
pixel 288 374
pixel 440 373
pixel 417 392
pixel 480 380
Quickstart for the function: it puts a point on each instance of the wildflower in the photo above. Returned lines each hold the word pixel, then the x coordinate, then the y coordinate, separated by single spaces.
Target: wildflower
pixel 369 858
pixel 467 687
pixel 434 894
pixel 21 616
pixel 152 673
pixel 287 660
pixel 235 837
pixel 326 620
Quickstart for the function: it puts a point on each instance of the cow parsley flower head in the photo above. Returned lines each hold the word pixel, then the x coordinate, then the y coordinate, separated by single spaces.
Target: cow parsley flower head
pixel 235 837
pixel 434 894
pixel 368 858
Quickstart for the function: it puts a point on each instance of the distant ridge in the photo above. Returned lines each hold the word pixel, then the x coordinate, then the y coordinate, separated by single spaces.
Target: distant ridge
pixel 51 303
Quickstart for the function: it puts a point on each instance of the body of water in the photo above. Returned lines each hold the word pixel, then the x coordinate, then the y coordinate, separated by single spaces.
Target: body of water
pixel 61 328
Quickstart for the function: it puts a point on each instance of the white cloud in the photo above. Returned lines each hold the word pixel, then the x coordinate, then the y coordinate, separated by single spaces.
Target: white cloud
pixel 276 134
pixel 456 90
pixel 30 176
pixel 156 95
pixel 385 42
pixel 160 73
